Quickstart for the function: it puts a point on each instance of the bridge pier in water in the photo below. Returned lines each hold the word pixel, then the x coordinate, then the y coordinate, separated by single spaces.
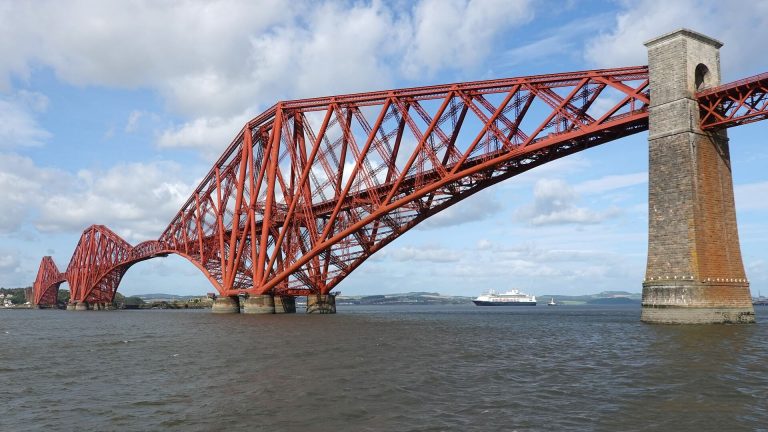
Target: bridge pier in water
pixel 321 304
pixel 285 304
pixel 224 304
pixel 255 304
pixel 258 304
pixel 695 272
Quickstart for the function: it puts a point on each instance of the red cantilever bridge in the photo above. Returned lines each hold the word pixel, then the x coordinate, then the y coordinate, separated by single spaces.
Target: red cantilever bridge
pixel 310 189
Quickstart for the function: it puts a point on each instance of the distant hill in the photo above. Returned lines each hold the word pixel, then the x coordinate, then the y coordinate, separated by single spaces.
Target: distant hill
pixel 152 297
pixel 613 301
pixel 422 298
pixel 433 298
pixel 605 297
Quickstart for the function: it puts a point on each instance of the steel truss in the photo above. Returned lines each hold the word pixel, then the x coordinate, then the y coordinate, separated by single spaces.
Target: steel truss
pixel 49 279
pixel 737 103
pixel 310 189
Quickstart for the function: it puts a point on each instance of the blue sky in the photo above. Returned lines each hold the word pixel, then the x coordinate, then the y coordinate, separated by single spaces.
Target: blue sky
pixel 111 112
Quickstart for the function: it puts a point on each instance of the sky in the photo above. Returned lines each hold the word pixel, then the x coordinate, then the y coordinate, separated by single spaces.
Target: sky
pixel 111 112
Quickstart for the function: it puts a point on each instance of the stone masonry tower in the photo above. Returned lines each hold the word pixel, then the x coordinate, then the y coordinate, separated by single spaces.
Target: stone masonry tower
pixel 695 273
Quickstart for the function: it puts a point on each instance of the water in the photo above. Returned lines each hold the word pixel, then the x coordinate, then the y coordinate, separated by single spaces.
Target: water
pixel 410 368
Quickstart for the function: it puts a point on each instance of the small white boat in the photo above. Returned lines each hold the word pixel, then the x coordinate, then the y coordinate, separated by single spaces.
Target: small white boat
pixel 552 302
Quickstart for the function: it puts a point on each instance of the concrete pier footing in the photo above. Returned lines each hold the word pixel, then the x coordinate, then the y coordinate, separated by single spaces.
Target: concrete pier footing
pixel 285 304
pixel 84 306
pixel 695 272
pixel 321 304
pixel 258 304
pixel 225 305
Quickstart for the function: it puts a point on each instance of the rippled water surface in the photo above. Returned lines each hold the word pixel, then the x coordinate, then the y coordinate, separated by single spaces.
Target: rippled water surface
pixel 430 368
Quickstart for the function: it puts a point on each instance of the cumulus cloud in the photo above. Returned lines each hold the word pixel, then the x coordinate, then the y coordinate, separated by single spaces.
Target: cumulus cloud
pixel 555 203
pixel 481 206
pixel 11 272
pixel 209 134
pixel 135 200
pixel 19 126
pixel 470 26
pixel 428 254
pixel 24 186
pixel 643 20
pixel 131 44
pixel 8 262
pixel 214 61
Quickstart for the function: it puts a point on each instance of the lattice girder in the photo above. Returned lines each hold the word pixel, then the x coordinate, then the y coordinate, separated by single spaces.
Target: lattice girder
pixel 335 179
pixel 733 104
pixel 49 279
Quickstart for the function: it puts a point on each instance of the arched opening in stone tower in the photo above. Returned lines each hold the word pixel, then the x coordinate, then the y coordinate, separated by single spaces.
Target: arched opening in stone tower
pixel 702 77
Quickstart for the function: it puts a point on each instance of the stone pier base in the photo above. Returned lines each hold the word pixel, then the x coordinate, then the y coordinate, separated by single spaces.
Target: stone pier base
pixel 321 304
pixel 690 302
pixel 258 304
pixel 70 306
pixel 81 306
pixel 225 305
pixel 285 304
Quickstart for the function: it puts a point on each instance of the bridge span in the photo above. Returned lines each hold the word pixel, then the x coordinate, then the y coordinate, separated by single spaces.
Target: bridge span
pixel 310 189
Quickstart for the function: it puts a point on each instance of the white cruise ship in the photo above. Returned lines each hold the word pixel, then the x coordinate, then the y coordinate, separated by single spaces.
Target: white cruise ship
pixel 509 298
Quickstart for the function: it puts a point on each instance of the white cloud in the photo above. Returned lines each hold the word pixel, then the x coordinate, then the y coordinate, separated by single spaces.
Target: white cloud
pixel 555 203
pixel 131 44
pixel 611 182
pixel 11 272
pixel 643 20
pixel 8 262
pixel 458 33
pixel 209 134
pixel 214 61
pixel 428 254
pixel 135 200
pixel 133 121
pixel 19 127
pixel 24 186
pixel 481 206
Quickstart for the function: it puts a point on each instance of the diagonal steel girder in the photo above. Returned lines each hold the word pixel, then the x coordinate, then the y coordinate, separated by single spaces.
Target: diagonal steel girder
pixel 310 189
pixel 733 104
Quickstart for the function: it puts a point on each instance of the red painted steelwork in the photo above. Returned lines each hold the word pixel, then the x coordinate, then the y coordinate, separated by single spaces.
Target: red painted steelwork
pixel 100 260
pixel 733 104
pixel 46 286
pixel 310 189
